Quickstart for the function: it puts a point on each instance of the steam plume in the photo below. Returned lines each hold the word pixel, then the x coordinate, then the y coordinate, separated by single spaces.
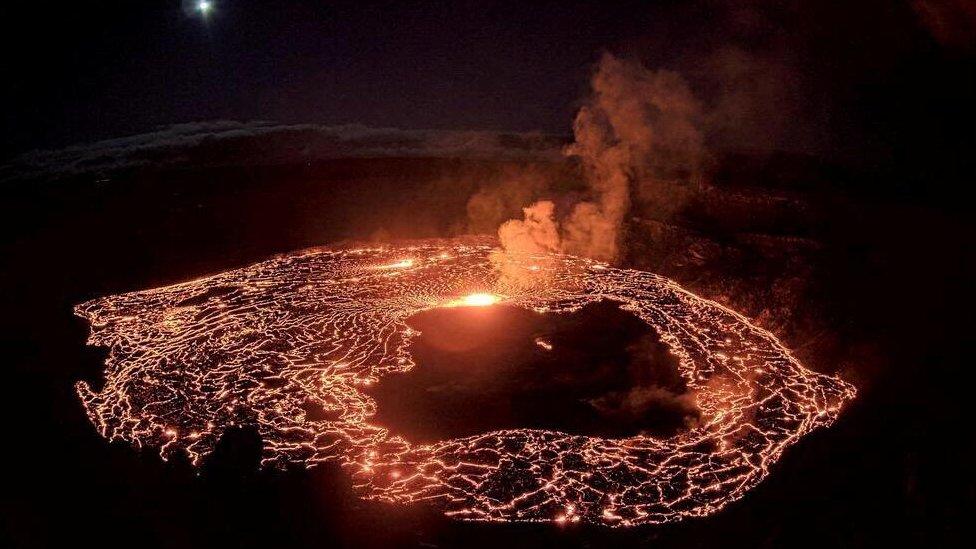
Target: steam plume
pixel 638 126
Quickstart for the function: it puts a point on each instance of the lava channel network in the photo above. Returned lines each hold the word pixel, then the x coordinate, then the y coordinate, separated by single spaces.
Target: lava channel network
pixel 288 346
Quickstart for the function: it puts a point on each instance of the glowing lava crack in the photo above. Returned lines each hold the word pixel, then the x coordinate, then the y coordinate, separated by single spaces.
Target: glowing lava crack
pixel 263 345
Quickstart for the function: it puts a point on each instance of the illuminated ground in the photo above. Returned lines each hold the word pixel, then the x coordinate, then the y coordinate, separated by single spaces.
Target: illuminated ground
pixel 290 346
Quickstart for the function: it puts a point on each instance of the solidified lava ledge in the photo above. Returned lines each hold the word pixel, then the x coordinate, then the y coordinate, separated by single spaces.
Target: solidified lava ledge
pixel 306 348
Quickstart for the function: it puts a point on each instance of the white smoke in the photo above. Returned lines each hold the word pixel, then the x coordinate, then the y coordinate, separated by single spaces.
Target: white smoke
pixel 638 126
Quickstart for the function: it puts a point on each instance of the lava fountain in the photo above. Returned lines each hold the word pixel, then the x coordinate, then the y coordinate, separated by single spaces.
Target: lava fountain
pixel 263 345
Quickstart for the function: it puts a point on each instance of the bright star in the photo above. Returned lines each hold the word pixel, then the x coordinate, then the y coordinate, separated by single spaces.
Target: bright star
pixel 204 6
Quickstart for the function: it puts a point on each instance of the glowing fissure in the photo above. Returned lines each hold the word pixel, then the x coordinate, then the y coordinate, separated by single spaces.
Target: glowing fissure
pixel 259 345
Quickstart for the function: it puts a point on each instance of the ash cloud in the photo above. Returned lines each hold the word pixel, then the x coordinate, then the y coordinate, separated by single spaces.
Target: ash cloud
pixel 224 142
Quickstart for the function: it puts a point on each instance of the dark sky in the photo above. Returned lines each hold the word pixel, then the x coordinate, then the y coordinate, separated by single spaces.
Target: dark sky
pixel 876 78
pixel 97 69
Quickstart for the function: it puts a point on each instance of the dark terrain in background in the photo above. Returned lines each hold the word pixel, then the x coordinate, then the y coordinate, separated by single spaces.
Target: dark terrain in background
pixel 856 276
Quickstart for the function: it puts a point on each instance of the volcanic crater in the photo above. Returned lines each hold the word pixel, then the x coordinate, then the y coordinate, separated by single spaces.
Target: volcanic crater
pixel 597 371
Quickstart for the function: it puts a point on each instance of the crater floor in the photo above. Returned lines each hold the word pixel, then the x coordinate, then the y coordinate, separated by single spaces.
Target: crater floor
pixel 299 346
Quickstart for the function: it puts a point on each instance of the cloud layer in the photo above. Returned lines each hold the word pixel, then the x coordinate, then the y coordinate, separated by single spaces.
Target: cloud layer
pixel 261 143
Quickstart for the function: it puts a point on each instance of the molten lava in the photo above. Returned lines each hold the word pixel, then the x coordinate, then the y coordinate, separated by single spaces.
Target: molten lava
pixel 476 300
pixel 263 345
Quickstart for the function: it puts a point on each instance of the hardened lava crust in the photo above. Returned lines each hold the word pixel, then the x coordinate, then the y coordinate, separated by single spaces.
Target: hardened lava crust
pixel 287 346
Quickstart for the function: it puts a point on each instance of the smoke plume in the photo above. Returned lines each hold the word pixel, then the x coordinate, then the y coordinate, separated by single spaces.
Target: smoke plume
pixel 638 127
pixel 951 22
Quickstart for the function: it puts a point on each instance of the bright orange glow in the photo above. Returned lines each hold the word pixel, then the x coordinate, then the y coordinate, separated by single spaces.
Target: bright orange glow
pixel 480 300
pixel 268 345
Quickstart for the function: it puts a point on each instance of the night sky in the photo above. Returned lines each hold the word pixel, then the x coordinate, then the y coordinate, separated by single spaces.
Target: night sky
pixel 106 68
pixel 873 82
